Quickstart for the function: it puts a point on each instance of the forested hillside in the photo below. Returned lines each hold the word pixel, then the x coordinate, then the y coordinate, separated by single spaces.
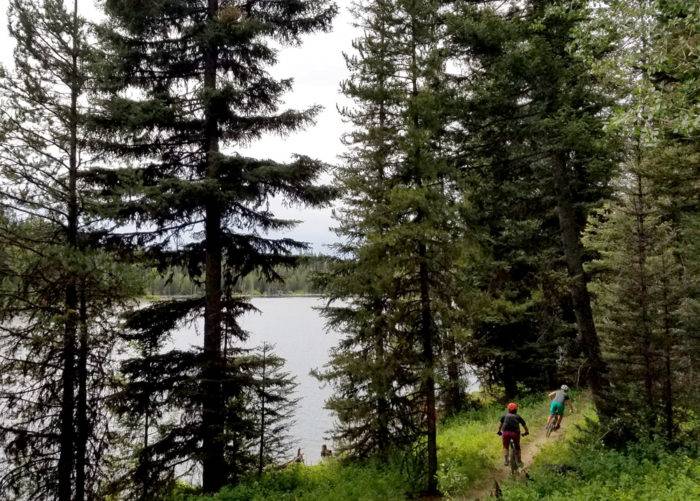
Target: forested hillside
pixel 516 207
pixel 293 281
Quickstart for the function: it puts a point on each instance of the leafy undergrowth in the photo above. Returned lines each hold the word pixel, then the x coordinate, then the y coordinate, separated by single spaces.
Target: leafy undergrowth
pixel 583 470
pixel 328 481
pixel 468 448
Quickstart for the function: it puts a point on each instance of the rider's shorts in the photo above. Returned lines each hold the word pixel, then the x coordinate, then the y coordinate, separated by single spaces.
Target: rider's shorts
pixel 511 435
pixel 556 408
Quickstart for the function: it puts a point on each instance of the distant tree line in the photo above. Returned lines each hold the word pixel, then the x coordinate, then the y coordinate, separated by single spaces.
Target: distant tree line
pixel 118 142
pixel 293 280
pixel 518 198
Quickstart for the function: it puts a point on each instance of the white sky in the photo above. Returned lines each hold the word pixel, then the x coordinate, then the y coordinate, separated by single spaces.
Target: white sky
pixel 317 68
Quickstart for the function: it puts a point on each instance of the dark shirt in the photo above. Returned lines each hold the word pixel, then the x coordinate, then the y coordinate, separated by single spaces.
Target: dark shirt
pixel 511 422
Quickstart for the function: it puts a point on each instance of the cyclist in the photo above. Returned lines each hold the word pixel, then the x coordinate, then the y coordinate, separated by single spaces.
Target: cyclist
pixel 558 405
pixel 509 429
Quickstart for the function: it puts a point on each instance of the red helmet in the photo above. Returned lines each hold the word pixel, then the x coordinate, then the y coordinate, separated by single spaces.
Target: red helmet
pixel 512 407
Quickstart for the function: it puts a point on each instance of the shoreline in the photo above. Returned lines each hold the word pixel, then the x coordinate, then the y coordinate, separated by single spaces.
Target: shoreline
pixel 154 297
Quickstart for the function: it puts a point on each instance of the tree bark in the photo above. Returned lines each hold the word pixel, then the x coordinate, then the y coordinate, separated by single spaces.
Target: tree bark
pixel 429 365
pixel 261 452
pixel 510 385
pixel 570 233
pixel 67 453
pixel 81 405
pixel 640 213
pixel 214 474
pixel 454 400
pixel 382 384
pixel 668 347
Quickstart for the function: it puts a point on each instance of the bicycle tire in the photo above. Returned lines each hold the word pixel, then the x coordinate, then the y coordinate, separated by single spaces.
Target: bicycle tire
pixel 513 459
pixel 550 428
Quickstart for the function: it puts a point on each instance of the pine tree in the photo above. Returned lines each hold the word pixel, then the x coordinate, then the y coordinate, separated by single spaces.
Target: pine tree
pixel 374 414
pixel 402 231
pixel 539 96
pixel 643 236
pixel 58 311
pixel 638 300
pixel 185 84
pixel 273 406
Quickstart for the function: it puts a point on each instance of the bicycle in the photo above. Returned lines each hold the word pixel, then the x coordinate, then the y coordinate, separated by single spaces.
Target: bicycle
pixel 551 426
pixel 513 456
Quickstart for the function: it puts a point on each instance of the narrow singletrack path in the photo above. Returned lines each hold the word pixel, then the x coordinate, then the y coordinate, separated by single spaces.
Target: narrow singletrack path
pixel 530 446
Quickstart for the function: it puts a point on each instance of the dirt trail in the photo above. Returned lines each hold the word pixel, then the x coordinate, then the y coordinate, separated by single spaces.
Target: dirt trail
pixel 531 446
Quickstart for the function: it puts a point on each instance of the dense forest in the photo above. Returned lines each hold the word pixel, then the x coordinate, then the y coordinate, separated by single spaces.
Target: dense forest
pixel 296 280
pixel 517 196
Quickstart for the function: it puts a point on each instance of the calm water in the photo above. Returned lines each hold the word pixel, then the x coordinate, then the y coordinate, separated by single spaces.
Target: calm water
pixel 299 335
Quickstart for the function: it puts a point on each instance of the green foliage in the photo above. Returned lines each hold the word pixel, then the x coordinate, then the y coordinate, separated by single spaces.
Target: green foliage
pixel 331 480
pixel 645 285
pixel 535 159
pixel 588 471
pixel 182 87
pixel 293 280
pixel 272 406
pixel 469 449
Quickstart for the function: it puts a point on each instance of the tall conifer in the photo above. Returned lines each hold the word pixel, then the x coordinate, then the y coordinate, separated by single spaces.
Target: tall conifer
pixel 402 222
pixel 188 84
pixel 541 93
pixel 58 313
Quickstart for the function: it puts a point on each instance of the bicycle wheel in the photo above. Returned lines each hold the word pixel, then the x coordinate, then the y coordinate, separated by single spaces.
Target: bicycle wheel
pixel 550 427
pixel 513 458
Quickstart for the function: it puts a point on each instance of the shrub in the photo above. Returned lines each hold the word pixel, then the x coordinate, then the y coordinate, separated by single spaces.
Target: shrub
pixel 587 471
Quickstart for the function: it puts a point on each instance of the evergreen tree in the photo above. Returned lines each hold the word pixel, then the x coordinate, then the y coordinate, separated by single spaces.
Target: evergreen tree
pixel 402 231
pixel 540 98
pixel 273 406
pixel 645 253
pixel 185 84
pixel 57 314
pixel 675 176
pixel 371 398
pixel 638 301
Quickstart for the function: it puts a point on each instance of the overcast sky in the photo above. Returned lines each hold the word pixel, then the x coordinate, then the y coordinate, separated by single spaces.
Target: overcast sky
pixel 317 68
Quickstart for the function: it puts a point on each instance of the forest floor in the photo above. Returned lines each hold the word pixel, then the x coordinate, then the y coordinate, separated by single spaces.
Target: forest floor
pixel 531 447
pixel 571 465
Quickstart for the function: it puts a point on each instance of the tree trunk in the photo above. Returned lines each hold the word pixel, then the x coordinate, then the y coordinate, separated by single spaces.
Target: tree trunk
pixel 382 386
pixel 510 385
pixel 145 454
pixel 67 453
pixel 454 401
pixel 668 347
pixel 573 252
pixel 214 474
pixel 640 213
pixel 81 405
pixel 261 453
pixel 429 366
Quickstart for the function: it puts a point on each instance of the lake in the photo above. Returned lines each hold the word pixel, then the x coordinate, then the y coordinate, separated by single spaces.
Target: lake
pixel 298 332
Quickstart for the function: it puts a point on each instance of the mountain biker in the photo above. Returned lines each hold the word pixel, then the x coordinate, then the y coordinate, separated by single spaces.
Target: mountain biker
pixel 558 405
pixel 509 429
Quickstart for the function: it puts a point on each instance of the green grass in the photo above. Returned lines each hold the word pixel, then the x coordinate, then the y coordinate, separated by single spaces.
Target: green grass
pixel 583 470
pixel 577 469
pixel 327 481
pixel 468 448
